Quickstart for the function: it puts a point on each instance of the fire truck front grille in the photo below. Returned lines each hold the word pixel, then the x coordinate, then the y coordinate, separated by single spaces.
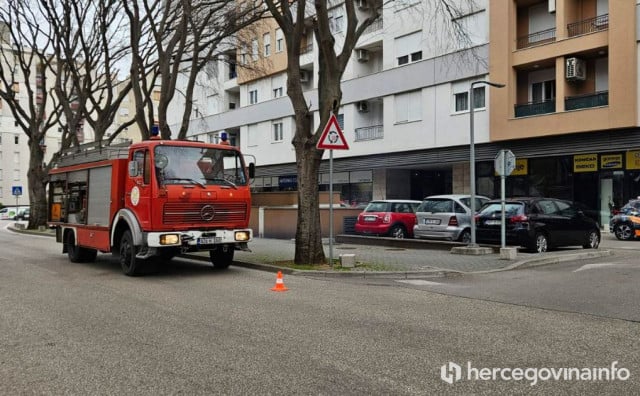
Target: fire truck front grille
pixel 175 213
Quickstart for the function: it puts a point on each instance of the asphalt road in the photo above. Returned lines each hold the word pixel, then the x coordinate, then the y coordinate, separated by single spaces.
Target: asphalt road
pixel 87 329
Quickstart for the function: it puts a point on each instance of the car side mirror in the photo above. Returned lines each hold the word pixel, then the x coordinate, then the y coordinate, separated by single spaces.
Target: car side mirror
pixel 252 170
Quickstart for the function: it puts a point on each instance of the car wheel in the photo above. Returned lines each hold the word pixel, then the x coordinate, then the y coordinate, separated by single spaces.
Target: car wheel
pixel 398 232
pixel 465 237
pixel 623 231
pixel 593 240
pixel 128 261
pixel 222 256
pixel 541 243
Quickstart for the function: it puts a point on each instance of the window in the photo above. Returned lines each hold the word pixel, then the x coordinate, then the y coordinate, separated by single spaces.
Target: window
pixel 277 131
pixel 462 99
pixel 16 87
pixel 16 158
pixel 266 40
pixel 156 95
pixel 277 92
pixel 0 174
pixel 252 135
pixel 16 174
pixel 253 96
pixel 340 119
pixel 16 139
pixel 336 23
pixel 254 50
pixel 279 41
pixel 408 48
pixel 408 107
pixel 543 91
pixel 0 192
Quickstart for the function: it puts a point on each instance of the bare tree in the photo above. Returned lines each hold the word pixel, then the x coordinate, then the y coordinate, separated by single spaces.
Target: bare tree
pixel 26 89
pixel 91 43
pixel 292 17
pixel 173 37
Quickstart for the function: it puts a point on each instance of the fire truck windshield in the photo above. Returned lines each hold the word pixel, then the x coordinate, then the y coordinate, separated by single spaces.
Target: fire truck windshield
pixel 197 165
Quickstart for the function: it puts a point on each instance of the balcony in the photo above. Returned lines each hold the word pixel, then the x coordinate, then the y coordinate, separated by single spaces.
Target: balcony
pixel 369 133
pixel 535 108
pixel 586 101
pixel 374 27
pixel 591 25
pixel 541 37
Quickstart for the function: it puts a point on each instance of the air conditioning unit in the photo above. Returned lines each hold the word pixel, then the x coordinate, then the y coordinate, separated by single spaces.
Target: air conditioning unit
pixel 304 76
pixel 363 107
pixel 576 69
pixel 362 55
pixel 362 4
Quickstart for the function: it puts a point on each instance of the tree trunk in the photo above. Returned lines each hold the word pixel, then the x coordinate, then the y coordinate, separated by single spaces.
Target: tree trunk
pixel 308 231
pixel 37 179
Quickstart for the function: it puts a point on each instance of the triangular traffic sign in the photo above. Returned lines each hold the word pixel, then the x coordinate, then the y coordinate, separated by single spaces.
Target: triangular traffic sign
pixel 332 137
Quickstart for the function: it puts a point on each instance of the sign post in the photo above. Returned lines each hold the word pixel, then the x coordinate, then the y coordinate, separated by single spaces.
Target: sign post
pixel 17 192
pixel 331 139
pixel 505 163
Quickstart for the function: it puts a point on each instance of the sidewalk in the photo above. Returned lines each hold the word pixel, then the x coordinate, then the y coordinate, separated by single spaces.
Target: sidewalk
pixel 398 258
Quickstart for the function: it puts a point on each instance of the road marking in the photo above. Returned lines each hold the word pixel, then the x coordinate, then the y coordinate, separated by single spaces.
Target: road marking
pixel 419 282
pixel 603 265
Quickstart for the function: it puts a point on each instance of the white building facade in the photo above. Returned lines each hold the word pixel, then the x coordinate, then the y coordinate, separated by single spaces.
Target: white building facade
pixel 404 112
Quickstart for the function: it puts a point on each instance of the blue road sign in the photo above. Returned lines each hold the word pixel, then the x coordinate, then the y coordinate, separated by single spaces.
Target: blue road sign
pixel 16 190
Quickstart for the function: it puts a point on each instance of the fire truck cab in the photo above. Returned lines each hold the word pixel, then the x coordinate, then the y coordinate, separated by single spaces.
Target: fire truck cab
pixel 152 199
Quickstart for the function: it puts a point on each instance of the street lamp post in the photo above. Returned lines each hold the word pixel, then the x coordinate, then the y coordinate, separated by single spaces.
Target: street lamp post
pixel 472 158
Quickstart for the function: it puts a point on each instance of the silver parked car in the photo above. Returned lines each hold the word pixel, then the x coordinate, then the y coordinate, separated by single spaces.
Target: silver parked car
pixel 446 217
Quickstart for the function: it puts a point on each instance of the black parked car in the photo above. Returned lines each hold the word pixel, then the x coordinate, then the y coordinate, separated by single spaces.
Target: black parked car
pixel 537 224
pixel 625 224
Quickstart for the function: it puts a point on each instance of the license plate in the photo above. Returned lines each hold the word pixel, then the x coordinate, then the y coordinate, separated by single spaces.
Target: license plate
pixel 209 240
pixel 431 221
pixel 492 222
pixel 371 218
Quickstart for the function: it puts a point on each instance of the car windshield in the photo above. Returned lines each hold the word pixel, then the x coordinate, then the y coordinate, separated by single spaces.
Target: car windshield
pixel 377 207
pixel 510 209
pixel 199 165
pixel 436 205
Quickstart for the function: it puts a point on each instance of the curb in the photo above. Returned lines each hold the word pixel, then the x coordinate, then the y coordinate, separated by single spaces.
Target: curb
pixel 538 262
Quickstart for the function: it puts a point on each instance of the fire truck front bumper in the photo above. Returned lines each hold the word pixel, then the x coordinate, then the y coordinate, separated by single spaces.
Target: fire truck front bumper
pixel 199 240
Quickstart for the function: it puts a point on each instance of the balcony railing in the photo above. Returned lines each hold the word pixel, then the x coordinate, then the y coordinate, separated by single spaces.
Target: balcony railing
pixel 585 101
pixel 375 26
pixel 369 133
pixel 535 108
pixel 542 37
pixel 591 25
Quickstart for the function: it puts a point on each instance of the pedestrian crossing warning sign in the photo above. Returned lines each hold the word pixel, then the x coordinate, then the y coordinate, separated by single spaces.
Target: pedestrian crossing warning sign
pixel 332 137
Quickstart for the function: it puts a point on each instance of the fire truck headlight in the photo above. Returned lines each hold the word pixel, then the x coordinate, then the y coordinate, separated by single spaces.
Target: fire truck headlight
pixel 242 235
pixel 169 239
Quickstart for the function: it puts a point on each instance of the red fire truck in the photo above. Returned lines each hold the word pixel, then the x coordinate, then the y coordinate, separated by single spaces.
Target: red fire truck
pixel 153 199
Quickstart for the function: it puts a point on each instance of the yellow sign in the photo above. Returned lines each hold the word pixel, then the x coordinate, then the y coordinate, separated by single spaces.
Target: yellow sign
pixel 633 159
pixel 521 167
pixel 585 163
pixel 611 161
pixel 56 210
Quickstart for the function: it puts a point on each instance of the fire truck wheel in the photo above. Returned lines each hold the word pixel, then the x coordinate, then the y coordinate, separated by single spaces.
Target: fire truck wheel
pixel 130 265
pixel 222 256
pixel 79 254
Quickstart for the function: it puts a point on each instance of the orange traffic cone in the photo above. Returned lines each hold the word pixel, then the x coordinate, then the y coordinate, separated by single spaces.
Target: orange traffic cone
pixel 279 287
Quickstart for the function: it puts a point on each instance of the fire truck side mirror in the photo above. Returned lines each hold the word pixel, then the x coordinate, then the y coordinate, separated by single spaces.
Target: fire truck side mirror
pixel 133 169
pixel 252 170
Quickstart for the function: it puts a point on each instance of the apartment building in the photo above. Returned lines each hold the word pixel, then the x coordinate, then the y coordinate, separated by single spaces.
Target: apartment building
pixel 404 108
pixel 569 110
